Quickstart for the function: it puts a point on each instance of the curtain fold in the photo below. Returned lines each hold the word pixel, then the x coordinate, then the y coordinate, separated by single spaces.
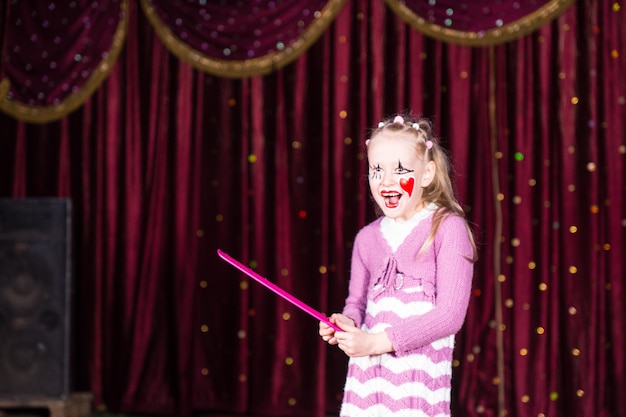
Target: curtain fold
pixel 166 163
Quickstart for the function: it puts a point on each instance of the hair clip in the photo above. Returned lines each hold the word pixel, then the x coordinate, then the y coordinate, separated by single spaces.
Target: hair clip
pixel 429 144
pixel 398 120
pixel 416 126
pixel 381 124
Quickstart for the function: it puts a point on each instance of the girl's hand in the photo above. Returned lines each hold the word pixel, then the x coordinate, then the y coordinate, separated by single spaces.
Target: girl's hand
pixel 328 333
pixel 355 342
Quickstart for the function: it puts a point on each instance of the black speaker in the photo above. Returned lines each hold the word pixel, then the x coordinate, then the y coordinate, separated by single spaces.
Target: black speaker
pixel 35 297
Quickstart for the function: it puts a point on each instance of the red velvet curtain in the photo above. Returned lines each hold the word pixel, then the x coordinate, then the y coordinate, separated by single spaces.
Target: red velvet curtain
pixel 166 163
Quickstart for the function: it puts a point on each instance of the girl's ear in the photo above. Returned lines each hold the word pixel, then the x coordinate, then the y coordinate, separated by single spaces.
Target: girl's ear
pixel 429 173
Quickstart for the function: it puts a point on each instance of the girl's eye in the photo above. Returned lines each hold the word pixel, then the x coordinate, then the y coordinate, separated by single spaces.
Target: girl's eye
pixel 401 170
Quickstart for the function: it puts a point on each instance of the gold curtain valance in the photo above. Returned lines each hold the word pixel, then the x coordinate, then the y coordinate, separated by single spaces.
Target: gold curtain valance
pixel 490 35
pixel 38 113
pixel 257 66
pixel 41 103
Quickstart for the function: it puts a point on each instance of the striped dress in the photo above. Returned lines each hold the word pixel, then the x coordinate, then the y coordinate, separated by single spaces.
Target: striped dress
pixel 393 290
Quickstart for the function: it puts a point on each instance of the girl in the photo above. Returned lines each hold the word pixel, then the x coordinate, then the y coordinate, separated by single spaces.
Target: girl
pixel 410 280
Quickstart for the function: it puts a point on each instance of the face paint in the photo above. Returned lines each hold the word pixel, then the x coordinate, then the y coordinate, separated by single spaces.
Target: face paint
pixel 375 173
pixel 400 172
pixel 407 185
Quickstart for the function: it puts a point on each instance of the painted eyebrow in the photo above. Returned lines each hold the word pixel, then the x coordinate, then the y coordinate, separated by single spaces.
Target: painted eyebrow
pixel 400 167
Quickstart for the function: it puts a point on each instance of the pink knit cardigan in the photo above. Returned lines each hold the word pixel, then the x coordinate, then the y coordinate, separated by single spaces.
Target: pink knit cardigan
pixel 444 270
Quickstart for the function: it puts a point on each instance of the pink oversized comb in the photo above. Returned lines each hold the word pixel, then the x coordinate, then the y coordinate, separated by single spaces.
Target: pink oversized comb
pixel 267 283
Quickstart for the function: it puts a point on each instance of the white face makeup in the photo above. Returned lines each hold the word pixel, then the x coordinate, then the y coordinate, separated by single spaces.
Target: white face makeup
pixel 397 175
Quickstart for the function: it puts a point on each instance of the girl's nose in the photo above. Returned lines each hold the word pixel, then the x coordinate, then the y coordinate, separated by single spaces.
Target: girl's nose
pixel 388 178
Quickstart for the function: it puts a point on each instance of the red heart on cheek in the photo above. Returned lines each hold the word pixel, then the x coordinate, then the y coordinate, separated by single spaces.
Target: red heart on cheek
pixel 407 185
